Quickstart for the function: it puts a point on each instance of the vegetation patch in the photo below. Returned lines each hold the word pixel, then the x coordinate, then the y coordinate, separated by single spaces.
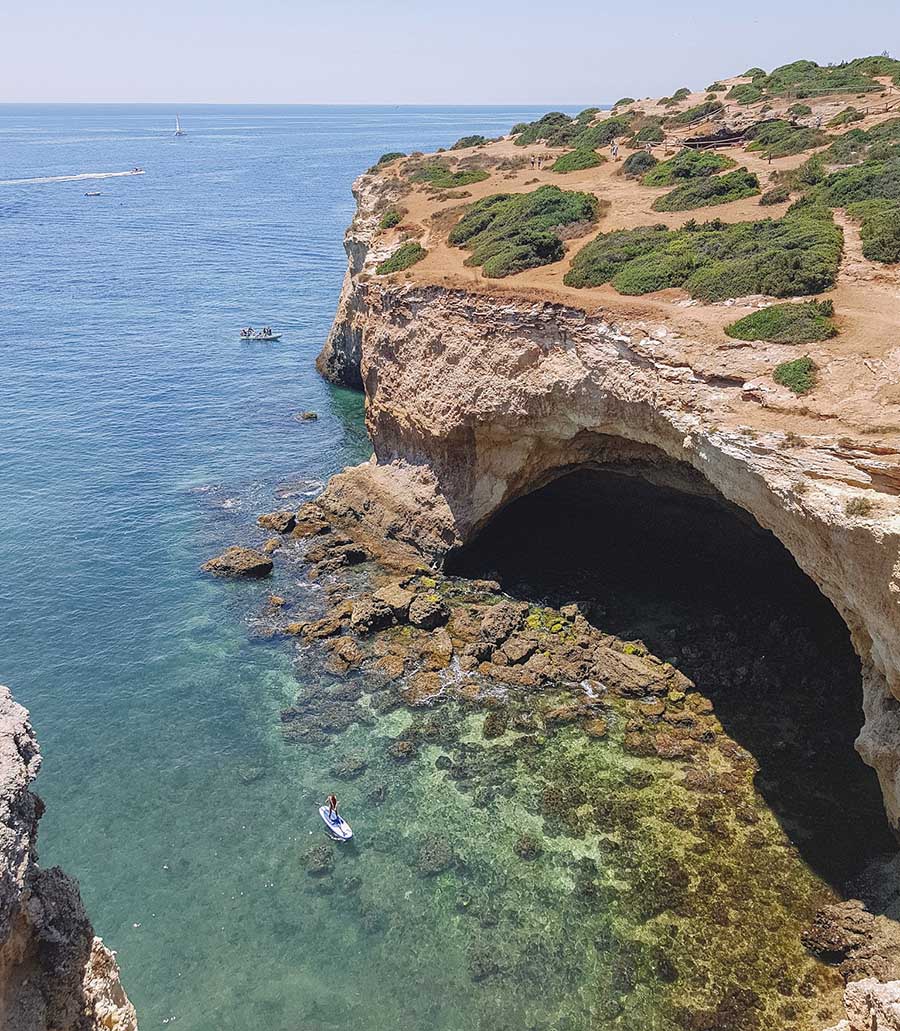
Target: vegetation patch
pixel 745 93
pixel 541 129
pixel 622 101
pixel 786 257
pixel 848 115
pixel 469 141
pixel 392 217
pixel 705 192
pixel 694 114
pixel 507 233
pixel 576 160
pixel 872 180
pixel 386 159
pixel 778 138
pixel 800 110
pixel 651 132
pixel 879 142
pixel 638 163
pixel 601 134
pixel 777 195
pixel 402 258
pixel 687 164
pixel 716 87
pixel 798 375
pixel 443 177
pixel 879 229
pixel 787 323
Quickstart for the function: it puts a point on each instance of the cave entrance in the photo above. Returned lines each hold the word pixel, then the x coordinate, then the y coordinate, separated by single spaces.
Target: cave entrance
pixel 704 586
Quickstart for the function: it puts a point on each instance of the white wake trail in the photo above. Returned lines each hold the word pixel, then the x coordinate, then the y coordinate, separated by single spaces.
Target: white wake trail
pixel 66 178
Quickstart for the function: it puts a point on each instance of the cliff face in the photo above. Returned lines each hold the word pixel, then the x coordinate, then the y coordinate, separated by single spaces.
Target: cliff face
pixel 55 975
pixel 475 398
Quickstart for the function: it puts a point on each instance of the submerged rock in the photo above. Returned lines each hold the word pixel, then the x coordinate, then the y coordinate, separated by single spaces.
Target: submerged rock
pixel 527 847
pixel 319 861
pixel 239 561
pixel 435 856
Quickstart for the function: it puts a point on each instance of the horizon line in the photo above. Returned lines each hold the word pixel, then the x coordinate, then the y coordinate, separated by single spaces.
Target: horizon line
pixel 285 103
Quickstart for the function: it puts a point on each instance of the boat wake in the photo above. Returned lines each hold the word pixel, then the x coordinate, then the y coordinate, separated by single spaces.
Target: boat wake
pixel 69 178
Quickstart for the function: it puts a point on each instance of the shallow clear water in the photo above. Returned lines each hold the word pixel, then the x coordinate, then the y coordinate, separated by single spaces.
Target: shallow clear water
pixel 138 435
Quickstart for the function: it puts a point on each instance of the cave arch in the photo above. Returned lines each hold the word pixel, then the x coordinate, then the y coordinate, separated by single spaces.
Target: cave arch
pixel 650 549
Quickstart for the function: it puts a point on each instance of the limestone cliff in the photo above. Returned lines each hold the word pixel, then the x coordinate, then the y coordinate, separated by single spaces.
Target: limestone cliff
pixel 55 975
pixel 477 396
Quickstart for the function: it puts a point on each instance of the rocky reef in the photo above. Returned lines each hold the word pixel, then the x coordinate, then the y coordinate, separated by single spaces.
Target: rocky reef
pixel 55 974
pixel 477 397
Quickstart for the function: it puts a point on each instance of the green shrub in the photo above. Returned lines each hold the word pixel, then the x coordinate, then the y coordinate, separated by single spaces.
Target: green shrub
pixel 442 177
pixel 798 375
pixel 845 117
pixel 576 160
pixel 541 129
pixel 800 110
pixel 637 163
pixel 386 159
pixel 622 101
pixel 777 195
pixel 787 323
pixel 786 257
pixel 807 79
pixel 716 87
pixel 879 229
pixel 872 180
pixel 588 114
pixel 651 133
pixel 754 73
pixel 406 254
pixel 858 506
pixel 702 193
pixel 507 233
pixel 778 138
pixel 390 218
pixel 880 141
pixel 746 93
pixel 469 141
pixel 602 133
pixel 687 164
pixel 694 114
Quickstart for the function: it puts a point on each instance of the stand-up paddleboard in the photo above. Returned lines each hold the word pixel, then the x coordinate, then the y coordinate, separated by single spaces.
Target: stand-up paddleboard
pixel 337 826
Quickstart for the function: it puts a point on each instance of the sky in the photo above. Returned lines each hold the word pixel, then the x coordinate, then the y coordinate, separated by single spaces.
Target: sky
pixel 405 52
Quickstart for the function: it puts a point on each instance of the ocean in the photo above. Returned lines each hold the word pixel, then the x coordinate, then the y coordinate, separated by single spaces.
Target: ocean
pixel 138 435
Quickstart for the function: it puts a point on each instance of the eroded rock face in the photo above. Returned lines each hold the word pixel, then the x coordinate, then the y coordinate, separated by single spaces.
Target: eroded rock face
pixel 475 399
pixel 55 975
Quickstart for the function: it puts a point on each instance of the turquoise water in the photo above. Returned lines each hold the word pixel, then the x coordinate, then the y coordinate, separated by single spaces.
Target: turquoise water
pixel 138 436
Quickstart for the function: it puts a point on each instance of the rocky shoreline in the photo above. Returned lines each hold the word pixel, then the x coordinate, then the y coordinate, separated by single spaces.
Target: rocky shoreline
pixel 55 974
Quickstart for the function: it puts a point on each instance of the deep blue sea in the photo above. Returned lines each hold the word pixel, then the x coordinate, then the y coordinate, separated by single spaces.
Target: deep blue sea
pixel 137 436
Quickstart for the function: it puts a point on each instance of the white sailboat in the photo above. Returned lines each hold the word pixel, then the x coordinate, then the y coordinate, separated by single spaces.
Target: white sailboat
pixel 178 130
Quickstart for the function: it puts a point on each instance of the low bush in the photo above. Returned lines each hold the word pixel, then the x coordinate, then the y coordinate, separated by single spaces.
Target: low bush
pixel 601 134
pixel 777 195
pixel 638 163
pixel 576 160
pixel 800 110
pixel 871 180
pixel 858 144
pixel 746 93
pixel 650 133
pixel 541 129
pixel 694 114
pixel 469 141
pixel 806 79
pixel 392 217
pixel 507 233
pixel 787 323
pixel 879 229
pixel 406 254
pixel 687 164
pixel 787 257
pixel 442 177
pixel 754 73
pixel 386 159
pixel 716 87
pixel 778 138
pixel 798 375
pixel 845 117
pixel 705 192
pixel 858 506
pixel 622 101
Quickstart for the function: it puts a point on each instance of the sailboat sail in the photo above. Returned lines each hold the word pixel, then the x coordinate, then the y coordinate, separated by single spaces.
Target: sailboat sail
pixel 178 130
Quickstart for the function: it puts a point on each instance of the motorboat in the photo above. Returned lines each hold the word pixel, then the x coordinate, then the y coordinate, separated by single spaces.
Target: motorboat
pixel 92 193
pixel 259 336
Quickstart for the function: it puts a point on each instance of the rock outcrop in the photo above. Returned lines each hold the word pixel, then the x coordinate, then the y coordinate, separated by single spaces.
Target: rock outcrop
pixel 55 975
pixel 239 561
pixel 475 398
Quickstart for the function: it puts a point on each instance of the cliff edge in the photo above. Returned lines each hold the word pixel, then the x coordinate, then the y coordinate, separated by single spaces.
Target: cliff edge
pixel 55 974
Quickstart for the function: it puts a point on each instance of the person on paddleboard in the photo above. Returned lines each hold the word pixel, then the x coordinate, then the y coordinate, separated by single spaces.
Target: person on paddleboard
pixel 332 806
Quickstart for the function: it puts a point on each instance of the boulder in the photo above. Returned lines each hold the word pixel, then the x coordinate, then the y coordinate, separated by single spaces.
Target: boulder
pixel 369 615
pixel 873 1005
pixel 397 598
pixel 503 620
pixel 428 611
pixel 239 561
pixel 280 522
pixel 839 930
pixel 518 649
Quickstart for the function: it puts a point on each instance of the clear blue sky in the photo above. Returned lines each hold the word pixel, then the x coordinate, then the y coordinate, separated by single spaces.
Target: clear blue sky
pixel 407 52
